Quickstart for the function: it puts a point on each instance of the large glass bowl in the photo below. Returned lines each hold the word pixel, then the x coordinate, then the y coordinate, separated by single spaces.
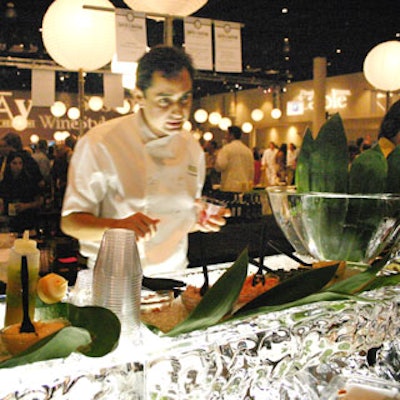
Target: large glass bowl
pixel 337 226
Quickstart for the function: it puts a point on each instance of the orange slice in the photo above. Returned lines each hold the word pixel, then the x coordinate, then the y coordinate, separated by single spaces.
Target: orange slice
pixel 52 288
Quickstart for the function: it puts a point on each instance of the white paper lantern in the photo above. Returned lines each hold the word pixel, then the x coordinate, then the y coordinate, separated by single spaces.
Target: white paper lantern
pixel 125 108
pixel 207 136
pixel 225 123
pixel 276 113
pixel 170 7
pixel 34 138
pixel 187 126
pixel 214 118
pixel 247 127
pixel 58 109
pixel 73 113
pixel 382 66
pixel 79 38
pixel 200 115
pixel 19 123
pixel 257 115
pixel 95 103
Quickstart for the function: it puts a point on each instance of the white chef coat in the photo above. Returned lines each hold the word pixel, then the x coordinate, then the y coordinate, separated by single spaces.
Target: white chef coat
pixel 235 161
pixel 120 168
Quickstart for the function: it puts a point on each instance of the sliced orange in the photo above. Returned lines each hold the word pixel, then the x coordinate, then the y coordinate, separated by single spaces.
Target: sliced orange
pixel 52 288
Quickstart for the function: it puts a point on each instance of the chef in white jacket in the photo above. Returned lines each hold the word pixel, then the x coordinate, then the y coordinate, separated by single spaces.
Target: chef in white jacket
pixel 142 171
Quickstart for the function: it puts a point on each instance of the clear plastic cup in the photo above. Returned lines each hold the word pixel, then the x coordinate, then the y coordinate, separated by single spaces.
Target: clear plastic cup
pixel 117 278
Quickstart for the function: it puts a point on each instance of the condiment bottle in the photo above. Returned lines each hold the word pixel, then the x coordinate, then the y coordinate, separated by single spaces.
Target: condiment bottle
pixel 22 247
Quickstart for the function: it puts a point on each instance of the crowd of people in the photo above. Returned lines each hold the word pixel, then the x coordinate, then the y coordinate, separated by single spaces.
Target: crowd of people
pixel 235 167
pixel 32 180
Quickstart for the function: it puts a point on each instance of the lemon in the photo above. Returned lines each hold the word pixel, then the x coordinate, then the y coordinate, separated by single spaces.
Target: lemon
pixel 52 288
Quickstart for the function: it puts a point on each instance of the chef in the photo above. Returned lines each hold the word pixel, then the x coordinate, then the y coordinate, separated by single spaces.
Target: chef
pixel 143 171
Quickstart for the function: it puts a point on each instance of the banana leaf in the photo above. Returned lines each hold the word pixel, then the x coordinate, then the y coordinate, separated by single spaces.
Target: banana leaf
pixel 218 300
pixel 60 344
pixel 94 331
pixel 293 289
pixel 393 178
pixel 303 166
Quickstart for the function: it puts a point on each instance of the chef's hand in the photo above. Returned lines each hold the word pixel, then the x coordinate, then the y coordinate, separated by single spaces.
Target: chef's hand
pixel 143 226
pixel 210 222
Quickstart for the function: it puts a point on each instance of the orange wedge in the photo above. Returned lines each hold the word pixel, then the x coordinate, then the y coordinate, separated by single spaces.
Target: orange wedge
pixel 52 288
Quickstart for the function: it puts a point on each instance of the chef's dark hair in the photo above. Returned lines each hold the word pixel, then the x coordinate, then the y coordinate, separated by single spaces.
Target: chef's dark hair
pixel 166 59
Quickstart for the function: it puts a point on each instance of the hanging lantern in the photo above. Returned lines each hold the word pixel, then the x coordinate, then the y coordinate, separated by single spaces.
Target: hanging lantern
pixel 225 123
pixel 19 123
pixel 95 103
pixel 125 108
pixel 247 127
pixel 170 7
pixel 207 136
pixel 214 118
pixel 78 38
pixel 276 113
pixel 257 115
pixel 73 113
pixel 34 139
pixel 58 109
pixel 200 115
pixel 382 66
pixel 187 126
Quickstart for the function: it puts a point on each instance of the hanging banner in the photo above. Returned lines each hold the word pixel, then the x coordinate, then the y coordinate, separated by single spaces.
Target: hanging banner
pixel 43 87
pixel 131 34
pixel 198 42
pixel 228 46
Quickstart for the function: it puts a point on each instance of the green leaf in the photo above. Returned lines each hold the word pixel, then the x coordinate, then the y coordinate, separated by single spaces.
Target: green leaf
pixel 94 331
pixel 60 344
pixel 218 300
pixel 393 177
pixel 368 172
pixel 330 159
pixel 303 166
pixel 293 289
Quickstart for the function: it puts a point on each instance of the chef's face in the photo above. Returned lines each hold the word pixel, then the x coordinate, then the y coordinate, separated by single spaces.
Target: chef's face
pixel 167 103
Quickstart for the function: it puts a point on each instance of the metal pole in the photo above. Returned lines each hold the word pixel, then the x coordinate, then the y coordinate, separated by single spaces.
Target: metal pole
pixel 169 31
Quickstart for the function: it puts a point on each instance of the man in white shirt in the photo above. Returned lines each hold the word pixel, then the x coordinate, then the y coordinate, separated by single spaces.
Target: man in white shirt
pixel 142 171
pixel 235 161
pixel 269 164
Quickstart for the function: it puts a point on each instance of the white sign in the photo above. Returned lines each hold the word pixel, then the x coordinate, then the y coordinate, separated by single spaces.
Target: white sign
pixel 336 99
pixel 198 42
pixel 228 47
pixel 131 34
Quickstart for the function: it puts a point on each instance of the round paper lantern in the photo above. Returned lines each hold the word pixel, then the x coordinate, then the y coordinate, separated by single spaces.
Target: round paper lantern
pixel 207 136
pixel 79 38
pixel 225 123
pixel 19 123
pixel 95 103
pixel 257 115
pixel 214 118
pixel 58 109
pixel 247 127
pixel 200 115
pixel 125 108
pixel 276 113
pixel 187 126
pixel 170 7
pixel 34 138
pixel 73 113
pixel 382 66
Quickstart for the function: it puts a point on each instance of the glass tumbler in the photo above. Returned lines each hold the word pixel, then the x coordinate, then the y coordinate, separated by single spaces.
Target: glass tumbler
pixel 117 278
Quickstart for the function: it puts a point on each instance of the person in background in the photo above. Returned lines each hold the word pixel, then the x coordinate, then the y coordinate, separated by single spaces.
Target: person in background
pixel 235 161
pixel 59 172
pixel 389 131
pixel 42 159
pixel 212 175
pixel 268 162
pixel 14 143
pixel 143 171
pixel 291 161
pixel 257 166
pixel 21 195
pixel 281 164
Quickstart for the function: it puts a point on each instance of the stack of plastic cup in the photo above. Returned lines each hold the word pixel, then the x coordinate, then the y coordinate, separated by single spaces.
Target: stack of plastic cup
pixel 117 278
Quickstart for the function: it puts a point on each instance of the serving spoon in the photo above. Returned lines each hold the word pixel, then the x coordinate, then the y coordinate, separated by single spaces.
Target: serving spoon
pixel 26 325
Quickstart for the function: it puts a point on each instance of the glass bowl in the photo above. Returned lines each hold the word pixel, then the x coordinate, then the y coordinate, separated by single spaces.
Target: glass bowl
pixel 337 226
